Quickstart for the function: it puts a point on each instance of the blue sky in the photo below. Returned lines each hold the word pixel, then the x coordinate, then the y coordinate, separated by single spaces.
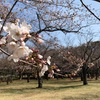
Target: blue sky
pixel 74 39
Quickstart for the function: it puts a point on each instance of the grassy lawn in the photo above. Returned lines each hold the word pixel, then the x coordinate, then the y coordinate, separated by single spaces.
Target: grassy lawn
pixel 62 89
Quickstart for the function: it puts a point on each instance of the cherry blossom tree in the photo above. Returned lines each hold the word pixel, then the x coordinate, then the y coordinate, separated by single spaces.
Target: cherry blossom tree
pixel 46 16
pixel 16 48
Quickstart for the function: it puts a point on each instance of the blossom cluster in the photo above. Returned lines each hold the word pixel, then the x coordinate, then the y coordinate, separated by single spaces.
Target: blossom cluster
pixel 17 33
pixel 37 59
pixel 15 40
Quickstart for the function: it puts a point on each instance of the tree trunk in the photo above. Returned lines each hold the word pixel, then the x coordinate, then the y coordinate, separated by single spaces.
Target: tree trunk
pixel 84 72
pixel 40 81
pixel 81 76
pixel 97 74
pixel 28 77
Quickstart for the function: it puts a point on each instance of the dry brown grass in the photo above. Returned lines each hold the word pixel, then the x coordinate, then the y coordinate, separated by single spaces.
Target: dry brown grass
pixel 62 89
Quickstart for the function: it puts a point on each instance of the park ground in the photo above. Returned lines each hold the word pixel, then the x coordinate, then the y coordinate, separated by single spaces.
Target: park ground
pixel 62 89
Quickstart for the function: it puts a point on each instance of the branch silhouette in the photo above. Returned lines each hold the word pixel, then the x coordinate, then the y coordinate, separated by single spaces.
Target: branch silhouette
pixel 90 10
pixel 8 16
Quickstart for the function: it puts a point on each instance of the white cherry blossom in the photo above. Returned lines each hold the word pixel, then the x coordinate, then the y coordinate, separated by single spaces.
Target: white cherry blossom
pixel 48 60
pixel 14 31
pixel 12 46
pixel 40 56
pixel 44 69
pixel 25 28
pixel 18 32
pixel 20 52
pixel 39 40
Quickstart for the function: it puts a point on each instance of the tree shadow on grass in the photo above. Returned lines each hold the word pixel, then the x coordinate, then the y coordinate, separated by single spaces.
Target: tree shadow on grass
pixel 62 81
pixel 62 87
pixel 38 90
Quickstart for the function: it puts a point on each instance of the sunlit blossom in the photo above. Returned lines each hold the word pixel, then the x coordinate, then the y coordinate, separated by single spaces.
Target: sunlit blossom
pixel 40 65
pixel 14 31
pixel 44 69
pixel 20 52
pixel 51 74
pixel 18 32
pixel 25 27
pixel 48 60
pixel 22 43
pixel 12 46
pixel 40 56
pixel 39 40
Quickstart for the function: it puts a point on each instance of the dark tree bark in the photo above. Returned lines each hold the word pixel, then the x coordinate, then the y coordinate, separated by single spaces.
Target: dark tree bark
pixel 28 77
pixel 40 81
pixel 97 74
pixel 8 80
pixel 81 76
pixel 84 74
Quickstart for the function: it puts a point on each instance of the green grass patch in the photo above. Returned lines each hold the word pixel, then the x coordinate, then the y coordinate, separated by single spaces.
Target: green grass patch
pixel 62 89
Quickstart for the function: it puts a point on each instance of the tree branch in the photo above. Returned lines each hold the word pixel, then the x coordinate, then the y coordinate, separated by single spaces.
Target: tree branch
pixel 8 15
pixel 20 59
pixel 4 51
pixel 90 10
pixel 53 29
pixel 39 20
pixel 97 0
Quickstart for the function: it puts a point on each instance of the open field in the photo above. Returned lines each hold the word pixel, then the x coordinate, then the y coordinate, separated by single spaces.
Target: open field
pixel 62 89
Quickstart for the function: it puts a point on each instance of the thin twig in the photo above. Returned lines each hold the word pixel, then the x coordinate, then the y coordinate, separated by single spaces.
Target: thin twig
pixel 90 10
pixel 4 51
pixel 19 60
pixel 8 15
